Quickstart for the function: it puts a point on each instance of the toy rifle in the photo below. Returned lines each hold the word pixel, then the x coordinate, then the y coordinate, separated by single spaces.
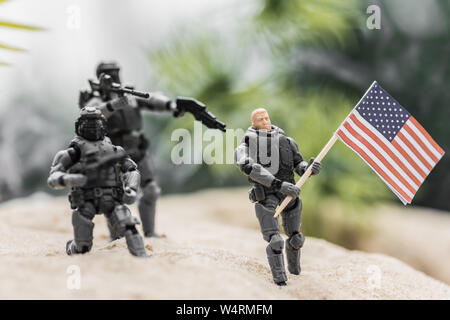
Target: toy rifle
pixel 198 110
pixel 91 168
pixel 105 84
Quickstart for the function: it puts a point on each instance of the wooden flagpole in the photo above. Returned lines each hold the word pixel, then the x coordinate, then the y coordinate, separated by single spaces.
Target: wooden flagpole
pixel 307 173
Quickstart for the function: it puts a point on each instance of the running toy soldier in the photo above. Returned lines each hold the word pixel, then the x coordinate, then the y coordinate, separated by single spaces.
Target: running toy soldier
pixel 102 178
pixel 269 158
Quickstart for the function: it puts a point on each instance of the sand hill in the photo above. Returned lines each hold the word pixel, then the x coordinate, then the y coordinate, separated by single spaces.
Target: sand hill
pixel 208 253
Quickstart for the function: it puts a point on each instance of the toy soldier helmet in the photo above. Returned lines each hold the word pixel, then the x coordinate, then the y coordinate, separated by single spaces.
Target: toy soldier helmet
pixel 109 68
pixel 91 124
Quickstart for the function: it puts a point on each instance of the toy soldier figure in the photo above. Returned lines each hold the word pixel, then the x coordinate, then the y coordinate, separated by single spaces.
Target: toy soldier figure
pixel 122 108
pixel 269 158
pixel 102 178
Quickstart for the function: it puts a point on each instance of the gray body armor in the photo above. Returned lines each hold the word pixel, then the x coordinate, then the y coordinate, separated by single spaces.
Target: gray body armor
pixel 284 171
pixel 92 151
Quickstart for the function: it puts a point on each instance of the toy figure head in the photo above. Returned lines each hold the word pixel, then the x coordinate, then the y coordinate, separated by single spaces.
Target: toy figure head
pixel 261 120
pixel 91 124
pixel 110 68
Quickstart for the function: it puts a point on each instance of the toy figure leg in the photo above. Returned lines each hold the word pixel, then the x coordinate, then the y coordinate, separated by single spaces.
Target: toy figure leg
pixel 83 228
pixel 291 216
pixel 150 193
pixel 124 225
pixel 271 233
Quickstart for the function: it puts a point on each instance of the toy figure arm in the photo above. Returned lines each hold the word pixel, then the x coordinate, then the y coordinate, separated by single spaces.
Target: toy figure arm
pixel 250 167
pixel 300 165
pixel 59 178
pixel 109 107
pixel 156 102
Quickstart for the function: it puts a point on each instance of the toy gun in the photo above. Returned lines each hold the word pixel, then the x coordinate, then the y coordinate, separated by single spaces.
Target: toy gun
pixel 198 110
pixel 105 84
pixel 93 165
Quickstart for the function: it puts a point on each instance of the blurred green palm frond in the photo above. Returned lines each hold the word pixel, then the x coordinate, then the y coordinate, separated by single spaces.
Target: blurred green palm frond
pixel 14 25
pixel 327 22
pixel 8 24
pixel 9 47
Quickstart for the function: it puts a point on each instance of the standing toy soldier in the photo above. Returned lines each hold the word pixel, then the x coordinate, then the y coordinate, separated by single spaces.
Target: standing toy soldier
pixel 102 178
pixel 122 108
pixel 269 158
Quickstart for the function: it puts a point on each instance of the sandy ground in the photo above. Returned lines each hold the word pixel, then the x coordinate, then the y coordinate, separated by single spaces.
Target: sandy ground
pixel 209 252
pixel 415 235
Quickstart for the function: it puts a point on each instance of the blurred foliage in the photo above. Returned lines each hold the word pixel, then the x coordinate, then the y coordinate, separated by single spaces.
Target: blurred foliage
pixel 256 67
pixel 409 58
pixel 13 25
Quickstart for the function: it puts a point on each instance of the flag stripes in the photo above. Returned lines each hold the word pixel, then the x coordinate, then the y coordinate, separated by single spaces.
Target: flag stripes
pixel 356 146
pixel 403 163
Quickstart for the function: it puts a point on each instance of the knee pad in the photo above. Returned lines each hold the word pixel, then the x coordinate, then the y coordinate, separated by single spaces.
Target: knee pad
pixel 150 192
pixel 122 220
pixel 297 240
pixel 276 243
pixel 269 224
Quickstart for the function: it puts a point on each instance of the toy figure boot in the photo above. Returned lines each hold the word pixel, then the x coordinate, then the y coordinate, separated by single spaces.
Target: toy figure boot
pixel 291 224
pixel 147 208
pixel 83 231
pixel 293 246
pixel 135 244
pixel 276 263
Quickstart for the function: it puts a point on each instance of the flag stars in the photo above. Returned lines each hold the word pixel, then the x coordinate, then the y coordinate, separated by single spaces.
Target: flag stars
pixel 383 112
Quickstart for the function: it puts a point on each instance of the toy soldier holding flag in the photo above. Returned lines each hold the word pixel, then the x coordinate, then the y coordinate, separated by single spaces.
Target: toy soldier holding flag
pixel 382 132
pixel 269 158
pixel 389 139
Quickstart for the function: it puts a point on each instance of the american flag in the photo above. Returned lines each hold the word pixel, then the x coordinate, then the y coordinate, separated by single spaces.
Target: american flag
pixel 390 141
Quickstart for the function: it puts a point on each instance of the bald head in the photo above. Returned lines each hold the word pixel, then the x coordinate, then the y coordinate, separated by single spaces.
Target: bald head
pixel 261 120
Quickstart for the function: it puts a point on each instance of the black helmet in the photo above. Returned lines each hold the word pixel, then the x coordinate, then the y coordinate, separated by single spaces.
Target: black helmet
pixel 109 68
pixel 91 124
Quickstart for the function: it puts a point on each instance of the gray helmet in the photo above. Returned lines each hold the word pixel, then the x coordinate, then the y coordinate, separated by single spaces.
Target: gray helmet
pixel 91 124
pixel 110 68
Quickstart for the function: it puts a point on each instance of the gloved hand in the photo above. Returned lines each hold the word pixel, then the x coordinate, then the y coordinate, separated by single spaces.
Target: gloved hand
pixel 120 102
pixel 290 189
pixel 129 197
pixel 74 179
pixel 316 166
pixel 177 108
